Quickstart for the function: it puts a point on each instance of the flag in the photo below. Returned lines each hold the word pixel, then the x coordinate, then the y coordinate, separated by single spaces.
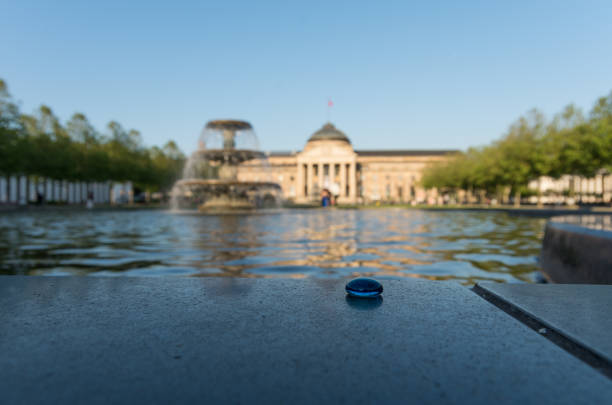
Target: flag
pixel 330 103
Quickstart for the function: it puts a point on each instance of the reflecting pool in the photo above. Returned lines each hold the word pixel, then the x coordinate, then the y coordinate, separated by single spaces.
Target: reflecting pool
pixel 464 246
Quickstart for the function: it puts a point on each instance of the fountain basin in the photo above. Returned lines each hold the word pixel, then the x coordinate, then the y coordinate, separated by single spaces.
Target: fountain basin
pixel 578 249
pixel 210 178
pixel 231 156
pixel 222 195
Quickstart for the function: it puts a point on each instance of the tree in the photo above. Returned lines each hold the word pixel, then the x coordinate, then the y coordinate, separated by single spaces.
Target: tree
pixel 10 129
pixel 9 112
pixel 522 156
pixel 569 144
pixel 80 130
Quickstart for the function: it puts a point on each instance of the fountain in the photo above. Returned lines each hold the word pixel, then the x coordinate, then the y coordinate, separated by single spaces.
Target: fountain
pixel 210 177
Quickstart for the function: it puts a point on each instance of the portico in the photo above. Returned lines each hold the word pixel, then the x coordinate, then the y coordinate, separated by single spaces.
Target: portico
pixel 328 161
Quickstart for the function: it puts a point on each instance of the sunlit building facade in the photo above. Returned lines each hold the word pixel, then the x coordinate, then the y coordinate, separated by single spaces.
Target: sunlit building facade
pixel 329 161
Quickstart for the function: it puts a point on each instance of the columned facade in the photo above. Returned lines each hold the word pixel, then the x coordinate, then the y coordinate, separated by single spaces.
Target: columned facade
pixel 331 165
pixel 328 161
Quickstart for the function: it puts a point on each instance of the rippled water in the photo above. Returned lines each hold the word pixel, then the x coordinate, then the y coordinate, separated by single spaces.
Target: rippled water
pixel 467 246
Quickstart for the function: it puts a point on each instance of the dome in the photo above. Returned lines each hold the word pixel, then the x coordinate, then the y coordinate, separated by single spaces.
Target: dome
pixel 328 132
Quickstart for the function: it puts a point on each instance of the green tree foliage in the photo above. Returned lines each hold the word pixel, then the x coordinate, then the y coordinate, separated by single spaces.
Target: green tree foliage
pixel 39 145
pixel 532 147
pixel 10 131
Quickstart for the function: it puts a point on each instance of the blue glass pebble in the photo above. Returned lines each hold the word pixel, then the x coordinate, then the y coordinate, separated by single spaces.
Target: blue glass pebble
pixel 364 287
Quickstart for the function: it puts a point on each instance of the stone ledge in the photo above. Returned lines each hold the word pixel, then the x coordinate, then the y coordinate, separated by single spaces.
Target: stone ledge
pixel 575 317
pixel 160 340
pixel 578 249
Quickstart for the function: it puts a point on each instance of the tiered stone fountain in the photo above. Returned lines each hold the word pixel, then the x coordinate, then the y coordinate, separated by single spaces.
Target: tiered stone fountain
pixel 210 178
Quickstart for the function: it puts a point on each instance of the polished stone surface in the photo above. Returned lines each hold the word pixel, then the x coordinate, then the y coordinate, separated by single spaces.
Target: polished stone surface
pixel 170 340
pixel 578 312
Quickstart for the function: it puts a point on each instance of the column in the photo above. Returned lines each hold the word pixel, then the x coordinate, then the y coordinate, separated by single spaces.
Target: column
pixel 332 174
pixel 343 179
pixel 130 190
pixel 320 173
pixel 33 189
pixel 64 191
pixel 23 190
pixel 97 193
pixel 299 181
pixel 309 178
pixel 598 184
pixel 48 190
pixel 3 196
pixel 353 181
pixel 77 192
pixel 13 189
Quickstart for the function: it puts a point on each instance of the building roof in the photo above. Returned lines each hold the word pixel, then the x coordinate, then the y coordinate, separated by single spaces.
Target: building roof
pixel 406 152
pixel 329 132
pixel 387 152
pixel 281 153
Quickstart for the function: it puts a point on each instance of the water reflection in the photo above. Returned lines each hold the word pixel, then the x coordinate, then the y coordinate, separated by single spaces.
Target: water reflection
pixel 467 246
pixel 600 222
pixel 364 304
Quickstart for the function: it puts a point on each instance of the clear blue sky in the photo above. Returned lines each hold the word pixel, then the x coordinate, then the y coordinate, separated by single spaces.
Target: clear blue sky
pixel 439 74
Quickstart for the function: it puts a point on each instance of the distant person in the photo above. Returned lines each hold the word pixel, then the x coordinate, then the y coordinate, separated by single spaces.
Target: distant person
pixel 90 200
pixel 325 198
pixel 40 199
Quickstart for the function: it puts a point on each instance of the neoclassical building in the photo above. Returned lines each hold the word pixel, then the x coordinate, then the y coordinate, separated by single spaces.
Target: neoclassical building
pixel 328 161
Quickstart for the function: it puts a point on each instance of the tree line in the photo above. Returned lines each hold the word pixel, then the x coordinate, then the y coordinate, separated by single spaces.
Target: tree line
pixel 568 144
pixel 39 144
